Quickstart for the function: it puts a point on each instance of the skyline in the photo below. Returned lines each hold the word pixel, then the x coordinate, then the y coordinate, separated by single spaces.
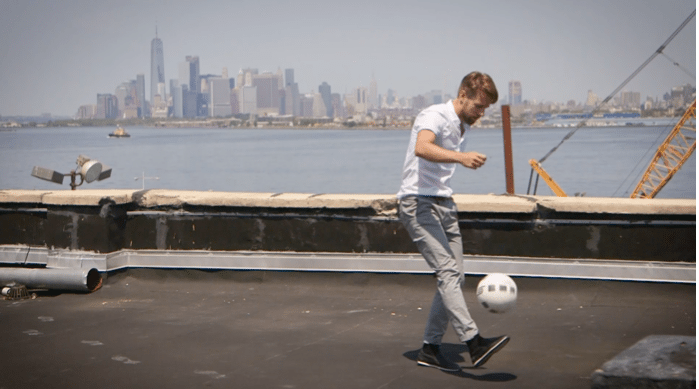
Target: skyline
pixel 55 58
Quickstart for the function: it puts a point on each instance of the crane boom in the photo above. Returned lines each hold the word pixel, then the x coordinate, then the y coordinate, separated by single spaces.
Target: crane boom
pixel 549 181
pixel 671 155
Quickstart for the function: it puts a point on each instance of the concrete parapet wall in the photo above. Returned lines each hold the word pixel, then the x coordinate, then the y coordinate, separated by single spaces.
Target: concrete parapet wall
pixel 526 226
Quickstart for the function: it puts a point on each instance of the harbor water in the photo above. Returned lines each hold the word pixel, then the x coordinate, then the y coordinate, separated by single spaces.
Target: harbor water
pixel 595 162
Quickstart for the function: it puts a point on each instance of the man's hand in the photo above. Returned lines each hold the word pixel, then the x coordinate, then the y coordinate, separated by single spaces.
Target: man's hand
pixel 472 159
pixel 427 149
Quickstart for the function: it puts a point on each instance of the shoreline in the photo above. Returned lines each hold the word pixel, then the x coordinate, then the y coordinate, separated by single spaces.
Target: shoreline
pixel 204 125
pixel 327 123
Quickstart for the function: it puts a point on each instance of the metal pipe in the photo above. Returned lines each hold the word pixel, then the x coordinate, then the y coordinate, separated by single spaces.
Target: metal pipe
pixel 68 279
pixel 507 143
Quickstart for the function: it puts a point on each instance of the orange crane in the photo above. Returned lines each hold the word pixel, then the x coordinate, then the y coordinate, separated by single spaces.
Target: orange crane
pixel 671 155
pixel 669 158
pixel 549 181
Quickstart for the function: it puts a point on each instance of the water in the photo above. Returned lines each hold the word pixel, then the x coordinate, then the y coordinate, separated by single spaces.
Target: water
pixel 601 162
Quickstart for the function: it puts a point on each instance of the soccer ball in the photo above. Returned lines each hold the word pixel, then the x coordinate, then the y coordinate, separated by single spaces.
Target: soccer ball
pixel 497 293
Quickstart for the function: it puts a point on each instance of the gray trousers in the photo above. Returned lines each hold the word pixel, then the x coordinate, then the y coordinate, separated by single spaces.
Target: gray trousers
pixel 433 225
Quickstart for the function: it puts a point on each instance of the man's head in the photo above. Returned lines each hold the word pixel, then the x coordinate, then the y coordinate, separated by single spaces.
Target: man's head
pixel 476 93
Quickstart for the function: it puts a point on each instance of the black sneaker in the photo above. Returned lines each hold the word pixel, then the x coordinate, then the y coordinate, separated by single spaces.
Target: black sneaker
pixel 431 356
pixel 481 349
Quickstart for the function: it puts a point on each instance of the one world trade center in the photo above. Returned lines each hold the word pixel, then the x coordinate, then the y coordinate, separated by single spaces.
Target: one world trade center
pixel 157 65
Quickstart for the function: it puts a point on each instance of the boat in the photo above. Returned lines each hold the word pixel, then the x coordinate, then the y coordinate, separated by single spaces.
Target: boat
pixel 120 132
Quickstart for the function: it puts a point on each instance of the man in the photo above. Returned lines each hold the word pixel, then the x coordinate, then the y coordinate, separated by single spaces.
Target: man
pixel 437 145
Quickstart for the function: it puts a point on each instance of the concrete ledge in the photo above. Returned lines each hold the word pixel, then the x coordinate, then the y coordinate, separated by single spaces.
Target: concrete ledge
pixel 380 203
pixel 618 205
pixel 657 361
pixel 66 197
pixel 107 221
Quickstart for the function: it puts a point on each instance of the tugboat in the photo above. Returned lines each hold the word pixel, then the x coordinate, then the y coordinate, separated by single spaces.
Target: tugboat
pixel 120 132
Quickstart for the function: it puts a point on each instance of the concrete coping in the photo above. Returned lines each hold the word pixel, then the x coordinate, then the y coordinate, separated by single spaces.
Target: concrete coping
pixel 657 361
pixel 381 203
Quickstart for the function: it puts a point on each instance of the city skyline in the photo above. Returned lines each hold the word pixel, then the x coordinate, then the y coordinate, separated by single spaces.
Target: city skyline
pixel 558 51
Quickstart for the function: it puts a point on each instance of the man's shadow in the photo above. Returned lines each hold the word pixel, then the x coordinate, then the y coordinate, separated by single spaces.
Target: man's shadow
pixel 453 353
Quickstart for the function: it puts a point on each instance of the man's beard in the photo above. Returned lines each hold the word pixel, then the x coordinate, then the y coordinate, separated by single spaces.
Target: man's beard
pixel 471 119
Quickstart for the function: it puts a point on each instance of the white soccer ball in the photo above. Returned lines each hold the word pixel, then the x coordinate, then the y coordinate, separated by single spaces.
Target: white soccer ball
pixel 497 293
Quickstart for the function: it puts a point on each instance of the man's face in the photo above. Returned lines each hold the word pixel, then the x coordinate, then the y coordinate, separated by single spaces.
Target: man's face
pixel 472 108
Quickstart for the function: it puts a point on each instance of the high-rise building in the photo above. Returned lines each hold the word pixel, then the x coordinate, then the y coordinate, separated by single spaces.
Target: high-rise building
pixel 189 102
pixel 268 97
pixel 373 93
pixel 324 90
pixel 356 102
pixel 291 94
pixel 515 89
pixel 189 73
pixel 127 99
pixel 184 75
pixel 121 92
pixel 630 99
pixel 245 77
pixel 141 95
pixel 235 104
pixel 247 99
pixel 176 94
pixel 390 97
pixel 106 107
pixel 592 99
pixel 159 108
pixel 86 112
pixel 306 105
pixel 689 92
pixel 220 92
pixel 338 107
pixel 319 109
pixel 157 65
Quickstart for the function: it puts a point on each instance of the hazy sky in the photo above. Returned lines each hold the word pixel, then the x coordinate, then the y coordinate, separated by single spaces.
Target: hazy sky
pixel 56 56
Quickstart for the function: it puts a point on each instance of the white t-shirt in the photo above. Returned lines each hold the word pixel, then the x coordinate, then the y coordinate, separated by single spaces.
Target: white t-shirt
pixel 425 178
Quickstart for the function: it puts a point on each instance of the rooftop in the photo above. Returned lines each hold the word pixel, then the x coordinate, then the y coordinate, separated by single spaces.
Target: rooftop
pixel 276 329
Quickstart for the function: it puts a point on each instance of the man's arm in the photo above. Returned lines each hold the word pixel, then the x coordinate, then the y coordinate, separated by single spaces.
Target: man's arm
pixel 427 149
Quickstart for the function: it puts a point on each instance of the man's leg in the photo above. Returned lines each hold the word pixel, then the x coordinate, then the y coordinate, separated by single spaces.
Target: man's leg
pixel 433 226
pixel 480 349
pixel 418 216
pixel 437 321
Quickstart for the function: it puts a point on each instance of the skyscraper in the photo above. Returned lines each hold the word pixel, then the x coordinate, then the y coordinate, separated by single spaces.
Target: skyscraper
pixel 107 106
pixel 157 66
pixel 373 93
pixel 189 102
pixel 592 99
pixel 247 99
pixel 356 102
pixel 630 99
pixel 220 92
pixel 291 94
pixel 319 109
pixel 176 93
pixel 515 89
pixel 268 97
pixel 326 94
pixel 127 99
pixel 189 73
pixel 141 93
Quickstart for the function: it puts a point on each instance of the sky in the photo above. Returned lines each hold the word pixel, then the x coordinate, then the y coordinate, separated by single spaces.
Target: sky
pixel 56 56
